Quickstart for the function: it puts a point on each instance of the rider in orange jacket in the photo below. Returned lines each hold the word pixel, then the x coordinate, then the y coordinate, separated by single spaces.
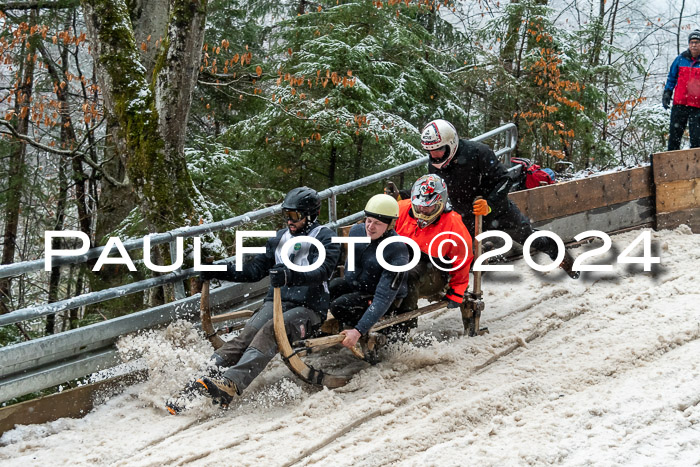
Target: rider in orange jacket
pixel 444 242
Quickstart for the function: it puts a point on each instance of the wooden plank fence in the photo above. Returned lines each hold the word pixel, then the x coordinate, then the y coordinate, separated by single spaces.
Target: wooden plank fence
pixel 677 179
pixel 663 195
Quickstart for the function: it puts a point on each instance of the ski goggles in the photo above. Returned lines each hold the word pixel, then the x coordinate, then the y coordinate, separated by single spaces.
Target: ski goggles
pixel 294 216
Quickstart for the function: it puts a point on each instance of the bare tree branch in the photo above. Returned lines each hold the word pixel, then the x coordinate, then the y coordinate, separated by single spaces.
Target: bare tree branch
pixel 65 152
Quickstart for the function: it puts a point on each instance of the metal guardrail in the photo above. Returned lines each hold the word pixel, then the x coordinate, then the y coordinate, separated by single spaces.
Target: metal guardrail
pixel 48 361
pixel 34 365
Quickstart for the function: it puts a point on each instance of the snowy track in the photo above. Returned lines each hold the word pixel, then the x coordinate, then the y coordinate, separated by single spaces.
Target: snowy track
pixel 604 371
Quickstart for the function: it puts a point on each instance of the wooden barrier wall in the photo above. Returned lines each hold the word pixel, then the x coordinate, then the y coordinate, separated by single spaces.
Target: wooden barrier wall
pixel 677 179
pixel 564 199
pixel 608 202
pixel 73 403
pixel 663 195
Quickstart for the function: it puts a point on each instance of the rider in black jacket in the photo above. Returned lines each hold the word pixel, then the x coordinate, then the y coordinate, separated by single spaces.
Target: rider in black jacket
pixel 368 291
pixel 305 300
pixel 472 169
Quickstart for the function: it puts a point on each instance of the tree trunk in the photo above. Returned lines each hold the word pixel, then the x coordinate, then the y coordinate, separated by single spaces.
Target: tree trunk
pixel 333 165
pixel 150 115
pixel 358 158
pixel 68 137
pixel 680 24
pixel 56 242
pixel 510 60
pixel 16 167
pixel 510 42
pixel 150 26
pixel 74 317
pixel 115 202
pixel 606 80
pixel 598 35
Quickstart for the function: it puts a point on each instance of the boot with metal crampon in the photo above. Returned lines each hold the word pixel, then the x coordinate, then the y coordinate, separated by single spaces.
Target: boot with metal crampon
pixel 221 391
pixel 178 403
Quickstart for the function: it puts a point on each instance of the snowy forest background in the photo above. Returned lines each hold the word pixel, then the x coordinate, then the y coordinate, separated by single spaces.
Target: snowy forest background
pixel 196 111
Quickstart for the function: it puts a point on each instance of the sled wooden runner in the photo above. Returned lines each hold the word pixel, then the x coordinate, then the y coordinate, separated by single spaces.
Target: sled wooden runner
pixel 233 315
pixel 313 345
pixel 291 359
pixel 205 316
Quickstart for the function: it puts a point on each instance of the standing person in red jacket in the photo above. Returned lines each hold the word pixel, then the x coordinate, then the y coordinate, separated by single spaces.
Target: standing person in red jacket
pixel 445 244
pixel 684 77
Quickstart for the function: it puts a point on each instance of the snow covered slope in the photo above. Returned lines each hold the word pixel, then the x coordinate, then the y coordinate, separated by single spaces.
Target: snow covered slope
pixel 600 371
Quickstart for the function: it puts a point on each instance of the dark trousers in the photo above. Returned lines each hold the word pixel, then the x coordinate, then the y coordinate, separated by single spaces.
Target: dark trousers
pixel 424 280
pixel 248 354
pixel 514 223
pixel 347 305
pixel 682 115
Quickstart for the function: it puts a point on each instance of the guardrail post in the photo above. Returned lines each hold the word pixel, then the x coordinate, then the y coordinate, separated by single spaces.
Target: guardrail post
pixel 178 287
pixel 333 210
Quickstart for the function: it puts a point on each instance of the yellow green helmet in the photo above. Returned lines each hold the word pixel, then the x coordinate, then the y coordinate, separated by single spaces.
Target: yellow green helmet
pixel 383 208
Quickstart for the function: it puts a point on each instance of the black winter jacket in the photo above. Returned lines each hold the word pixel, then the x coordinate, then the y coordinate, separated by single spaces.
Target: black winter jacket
pixel 308 289
pixel 371 278
pixel 475 171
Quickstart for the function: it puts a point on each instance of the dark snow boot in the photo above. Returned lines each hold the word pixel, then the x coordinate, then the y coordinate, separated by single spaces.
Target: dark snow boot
pixel 175 406
pixel 178 403
pixel 221 391
pixel 567 265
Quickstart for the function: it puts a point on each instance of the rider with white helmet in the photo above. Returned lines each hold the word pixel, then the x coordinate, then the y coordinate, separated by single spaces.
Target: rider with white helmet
pixel 472 170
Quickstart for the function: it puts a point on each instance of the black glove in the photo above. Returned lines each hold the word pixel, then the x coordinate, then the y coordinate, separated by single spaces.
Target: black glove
pixel 666 100
pixel 207 275
pixel 279 275
pixel 453 304
pixel 222 275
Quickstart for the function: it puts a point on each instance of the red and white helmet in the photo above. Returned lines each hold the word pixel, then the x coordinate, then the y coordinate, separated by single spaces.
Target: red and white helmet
pixel 438 134
pixel 428 199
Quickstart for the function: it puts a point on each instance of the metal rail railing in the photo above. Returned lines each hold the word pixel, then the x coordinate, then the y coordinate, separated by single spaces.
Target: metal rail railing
pixel 50 360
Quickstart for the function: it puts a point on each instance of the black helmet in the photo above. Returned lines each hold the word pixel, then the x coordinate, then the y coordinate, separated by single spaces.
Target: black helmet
pixel 304 200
